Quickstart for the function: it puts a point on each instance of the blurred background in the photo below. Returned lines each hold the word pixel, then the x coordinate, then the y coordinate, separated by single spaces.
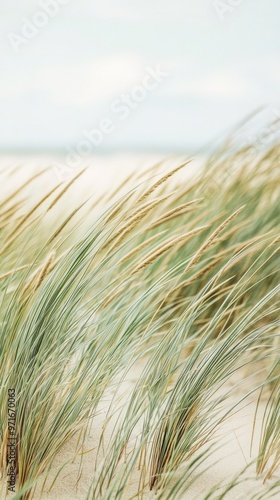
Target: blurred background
pixel 144 76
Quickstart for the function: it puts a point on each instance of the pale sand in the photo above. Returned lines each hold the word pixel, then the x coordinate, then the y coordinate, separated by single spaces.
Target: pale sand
pixel 233 437
pixel 105 173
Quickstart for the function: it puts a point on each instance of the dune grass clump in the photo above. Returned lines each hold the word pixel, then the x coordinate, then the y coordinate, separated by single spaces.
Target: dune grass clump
pixel 183 275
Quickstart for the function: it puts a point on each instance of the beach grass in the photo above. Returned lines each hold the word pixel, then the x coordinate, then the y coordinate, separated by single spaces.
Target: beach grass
pixel 182 275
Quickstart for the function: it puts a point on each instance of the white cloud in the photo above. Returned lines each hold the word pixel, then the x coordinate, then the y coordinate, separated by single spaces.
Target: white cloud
pixel 214 85
pixel 221 84
pixel 79 85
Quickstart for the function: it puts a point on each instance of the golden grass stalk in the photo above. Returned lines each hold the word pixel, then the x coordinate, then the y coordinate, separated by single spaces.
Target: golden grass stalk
pixel 162 180
pixel 133 221
pixel 217 258
pixel 7 214
pixel 21 188
pixel 65 189
pixel 151 257
pixel 46 269
pixel 119 206
pixel 175 212
pixel 13 271
pixel 211 239
pixel 140 247
pixel 38 276
pixel 20 226
pixel 112 194
pixel 65 222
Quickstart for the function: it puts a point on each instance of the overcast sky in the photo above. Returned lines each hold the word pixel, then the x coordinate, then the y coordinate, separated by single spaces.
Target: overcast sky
pixel 220 62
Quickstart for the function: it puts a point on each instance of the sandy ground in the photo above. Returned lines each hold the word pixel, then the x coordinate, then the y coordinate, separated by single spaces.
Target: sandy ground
pixel 235 435
pixel 232 455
